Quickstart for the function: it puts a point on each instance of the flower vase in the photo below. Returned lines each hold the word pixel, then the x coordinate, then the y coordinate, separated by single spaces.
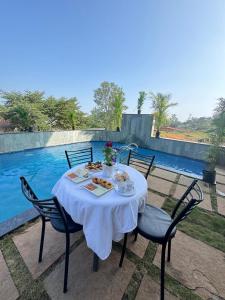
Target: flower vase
pixel 107 171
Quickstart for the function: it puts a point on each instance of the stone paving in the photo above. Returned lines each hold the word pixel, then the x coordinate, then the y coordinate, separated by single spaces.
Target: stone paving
pixel 199 266
pixel 7 287
pixel 196 270
pixel 221 205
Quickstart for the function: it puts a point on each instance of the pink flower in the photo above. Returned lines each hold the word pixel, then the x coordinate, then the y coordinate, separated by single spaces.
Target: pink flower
pixel 108 144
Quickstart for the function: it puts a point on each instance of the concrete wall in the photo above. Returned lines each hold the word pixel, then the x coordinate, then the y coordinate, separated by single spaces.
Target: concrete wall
pixel 135 128
pixel 131 126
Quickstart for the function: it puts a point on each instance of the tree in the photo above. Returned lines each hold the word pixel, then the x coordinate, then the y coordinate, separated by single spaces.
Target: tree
pixel 219 121
pixel 174 122
pixel 217 136
pixel 118 108
pixel 141 100
pixel 25 110
pixel 104 98
pixel 32 111
pixel 67 111
pixel 161 104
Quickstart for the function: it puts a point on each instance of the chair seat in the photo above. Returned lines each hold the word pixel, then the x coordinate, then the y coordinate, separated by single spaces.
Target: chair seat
pixel 153 224
pixel 59 225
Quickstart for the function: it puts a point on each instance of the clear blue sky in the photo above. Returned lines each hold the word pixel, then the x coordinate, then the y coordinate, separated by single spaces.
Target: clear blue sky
pixel 68 47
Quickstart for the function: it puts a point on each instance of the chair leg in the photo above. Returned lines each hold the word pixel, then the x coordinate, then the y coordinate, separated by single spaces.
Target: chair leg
pixel 42 239
pixel 163 254
pixel 123 250
pixel 169 251
pixel 95 262
pixel 66 262
pixel 135 235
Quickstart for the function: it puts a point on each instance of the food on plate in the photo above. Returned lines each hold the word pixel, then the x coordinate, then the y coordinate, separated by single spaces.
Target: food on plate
pixel 104 183
pixel 72 175
pixel 95 180
pixel 108 185
pixel 90 187
pixel 94 165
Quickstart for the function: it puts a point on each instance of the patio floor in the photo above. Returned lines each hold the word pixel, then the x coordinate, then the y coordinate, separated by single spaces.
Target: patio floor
pixel 196 270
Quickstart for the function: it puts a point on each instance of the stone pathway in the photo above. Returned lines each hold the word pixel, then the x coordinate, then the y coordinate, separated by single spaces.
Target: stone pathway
pixel 195 266
pixel 108 283
pixel 8 290
pixel 221 205
pixel 155 199
pixel 206 203
pixel 164 174
pixel 159 185
pixel 149 289
pixel 28 244
pixel 198 266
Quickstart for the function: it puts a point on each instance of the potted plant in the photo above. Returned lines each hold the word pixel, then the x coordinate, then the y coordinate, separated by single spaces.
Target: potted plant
pixel 209 174
pixel 217 140
pixel 109 158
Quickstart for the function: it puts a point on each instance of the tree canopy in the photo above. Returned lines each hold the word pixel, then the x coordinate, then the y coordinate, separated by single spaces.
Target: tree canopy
pixel 160 104
pixel 30 111
pixel 141 100
pixel 109 99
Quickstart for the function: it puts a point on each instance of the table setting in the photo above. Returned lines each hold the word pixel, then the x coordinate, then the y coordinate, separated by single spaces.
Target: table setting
pixel 104 197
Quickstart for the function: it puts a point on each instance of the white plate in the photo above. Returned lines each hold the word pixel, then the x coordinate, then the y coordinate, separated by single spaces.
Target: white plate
pixel 77 179
pixel 99 191
pixel 127 194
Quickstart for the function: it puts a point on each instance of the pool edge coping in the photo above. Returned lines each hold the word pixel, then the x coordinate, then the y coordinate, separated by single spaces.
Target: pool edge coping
pixel 13 223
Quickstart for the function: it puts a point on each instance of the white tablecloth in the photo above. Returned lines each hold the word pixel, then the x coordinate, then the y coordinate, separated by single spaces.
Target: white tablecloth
pixel 104 218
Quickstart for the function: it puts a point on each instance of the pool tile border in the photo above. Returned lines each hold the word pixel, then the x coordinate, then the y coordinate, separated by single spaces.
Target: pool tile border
pixel 17 221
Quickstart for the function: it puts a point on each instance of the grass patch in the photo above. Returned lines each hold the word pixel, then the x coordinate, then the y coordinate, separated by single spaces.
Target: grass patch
pixel 172 285
pixel 205 226
pixel 133 286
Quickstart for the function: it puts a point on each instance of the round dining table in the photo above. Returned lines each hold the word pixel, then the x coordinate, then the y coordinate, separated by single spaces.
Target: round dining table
pixel 105 218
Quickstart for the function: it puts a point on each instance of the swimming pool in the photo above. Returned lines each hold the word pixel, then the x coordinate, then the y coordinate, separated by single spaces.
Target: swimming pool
pixel 43 167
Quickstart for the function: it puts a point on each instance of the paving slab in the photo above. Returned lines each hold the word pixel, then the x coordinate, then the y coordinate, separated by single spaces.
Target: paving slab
pixel 197 266
pixel 204 186
pixel 155 199
pixel 188 180
pixel 221 205
pixel 28 243
pixel 220 178
pixel 206 203
pixel 8 291
pixel 164 174
pixel 149 289
pixel 159 185
pixel 185 180
pixel 139 247
pixel 220 170
pixel 110 282
pixel 220 187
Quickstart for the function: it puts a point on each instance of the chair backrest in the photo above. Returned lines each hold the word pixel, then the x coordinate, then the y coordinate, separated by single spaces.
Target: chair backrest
pixel 79 156
pixel 141 162
pixel 49 208
pixel 189 200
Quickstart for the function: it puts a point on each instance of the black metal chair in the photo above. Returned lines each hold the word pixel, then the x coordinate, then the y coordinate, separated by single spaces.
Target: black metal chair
pixel 79 156
pixel 158 226
pixel 51 210
pixel 141 162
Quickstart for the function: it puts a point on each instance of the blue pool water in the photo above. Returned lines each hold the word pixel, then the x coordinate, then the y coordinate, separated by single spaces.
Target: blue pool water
pixel 43 167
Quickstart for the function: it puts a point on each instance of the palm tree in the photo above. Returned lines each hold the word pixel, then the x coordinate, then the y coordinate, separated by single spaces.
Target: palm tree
pixel 118 108
pixel 141 99
pixel 160 104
